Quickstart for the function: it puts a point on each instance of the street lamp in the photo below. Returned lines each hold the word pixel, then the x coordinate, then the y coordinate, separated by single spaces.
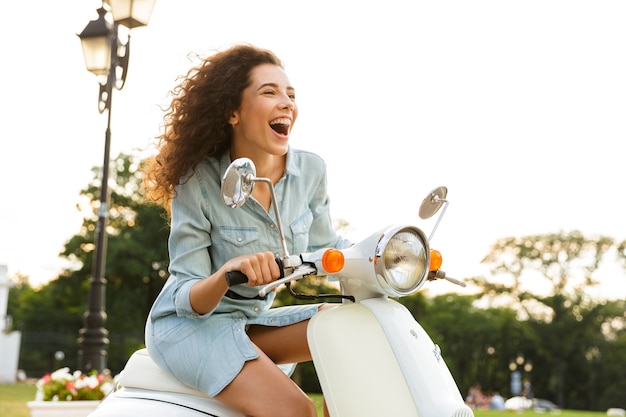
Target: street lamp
pixel 106 55
pixel 519 362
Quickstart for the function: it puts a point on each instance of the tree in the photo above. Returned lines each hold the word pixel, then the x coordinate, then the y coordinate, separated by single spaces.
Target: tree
pixel 544 278
pixel 136 269
pixel 475 341
pixel 621 253
pixel 137 257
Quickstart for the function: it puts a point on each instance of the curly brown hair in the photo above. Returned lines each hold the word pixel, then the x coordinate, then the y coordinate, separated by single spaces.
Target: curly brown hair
pixel 196 121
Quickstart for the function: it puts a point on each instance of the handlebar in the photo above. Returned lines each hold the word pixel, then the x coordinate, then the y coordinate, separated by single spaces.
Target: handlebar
pixel 291 263
pixel 235 278
pixel 238 277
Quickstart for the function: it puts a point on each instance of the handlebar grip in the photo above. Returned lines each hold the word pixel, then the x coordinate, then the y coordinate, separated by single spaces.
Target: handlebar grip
pixel 238 277
pixel 235 277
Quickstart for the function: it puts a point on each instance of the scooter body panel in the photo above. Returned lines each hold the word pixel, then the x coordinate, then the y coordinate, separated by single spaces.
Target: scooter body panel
pixel 395 368
pixel 133 402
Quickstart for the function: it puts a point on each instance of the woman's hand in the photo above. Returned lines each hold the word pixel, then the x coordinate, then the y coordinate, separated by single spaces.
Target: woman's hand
pixel 260 268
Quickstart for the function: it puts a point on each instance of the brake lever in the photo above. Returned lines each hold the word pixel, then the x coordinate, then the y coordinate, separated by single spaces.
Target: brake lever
pixel 299 273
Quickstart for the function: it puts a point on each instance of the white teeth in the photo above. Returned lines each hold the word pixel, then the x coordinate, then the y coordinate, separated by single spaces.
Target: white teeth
pixel 285 121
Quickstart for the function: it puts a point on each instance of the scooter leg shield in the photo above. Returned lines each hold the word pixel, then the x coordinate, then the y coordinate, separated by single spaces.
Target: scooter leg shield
pixel 373 359
pixel 356 367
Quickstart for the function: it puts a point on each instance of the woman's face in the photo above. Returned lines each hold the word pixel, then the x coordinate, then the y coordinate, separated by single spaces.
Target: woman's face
pixel 268 110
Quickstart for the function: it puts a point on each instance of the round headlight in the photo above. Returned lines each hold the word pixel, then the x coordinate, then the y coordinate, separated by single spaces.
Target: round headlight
pixel 405 258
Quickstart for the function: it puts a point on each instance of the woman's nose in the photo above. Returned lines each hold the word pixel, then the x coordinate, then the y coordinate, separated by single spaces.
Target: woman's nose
pixel 287 102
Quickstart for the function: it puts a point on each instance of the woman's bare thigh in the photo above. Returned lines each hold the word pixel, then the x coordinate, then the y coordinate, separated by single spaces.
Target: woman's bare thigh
pixel 261 389
pixel 286 344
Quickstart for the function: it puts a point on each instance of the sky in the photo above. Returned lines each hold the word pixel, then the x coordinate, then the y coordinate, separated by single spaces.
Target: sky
pixel 517 107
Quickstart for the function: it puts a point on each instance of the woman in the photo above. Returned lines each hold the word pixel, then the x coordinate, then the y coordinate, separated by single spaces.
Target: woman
pixel 228 342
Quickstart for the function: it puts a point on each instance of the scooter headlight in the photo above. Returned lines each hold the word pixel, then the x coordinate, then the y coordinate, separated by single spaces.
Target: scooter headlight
pixel 403 260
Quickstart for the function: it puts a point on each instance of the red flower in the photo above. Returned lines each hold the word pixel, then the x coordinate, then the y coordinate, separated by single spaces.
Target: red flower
pixel 69 385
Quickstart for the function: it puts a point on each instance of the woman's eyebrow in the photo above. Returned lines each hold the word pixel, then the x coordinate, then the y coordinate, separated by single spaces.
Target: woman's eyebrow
pixel 274 85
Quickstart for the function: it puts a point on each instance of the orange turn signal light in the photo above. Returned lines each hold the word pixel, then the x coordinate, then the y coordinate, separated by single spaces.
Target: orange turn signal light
pixel 435 260
pixel 333 260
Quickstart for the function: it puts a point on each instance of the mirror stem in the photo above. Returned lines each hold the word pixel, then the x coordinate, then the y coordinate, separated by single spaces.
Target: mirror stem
pixel 285 258
pixel 445 207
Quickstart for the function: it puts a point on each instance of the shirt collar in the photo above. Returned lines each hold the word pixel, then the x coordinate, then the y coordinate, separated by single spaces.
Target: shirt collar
pixel 292 165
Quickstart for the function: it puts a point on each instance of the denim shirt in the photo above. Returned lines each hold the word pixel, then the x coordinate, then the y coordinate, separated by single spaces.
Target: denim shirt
pixel 205 233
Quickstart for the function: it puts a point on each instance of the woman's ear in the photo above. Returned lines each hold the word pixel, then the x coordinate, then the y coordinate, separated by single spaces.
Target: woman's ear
pixel 233 119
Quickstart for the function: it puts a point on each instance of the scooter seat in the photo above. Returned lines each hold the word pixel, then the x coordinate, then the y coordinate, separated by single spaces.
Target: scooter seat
pixel 141 372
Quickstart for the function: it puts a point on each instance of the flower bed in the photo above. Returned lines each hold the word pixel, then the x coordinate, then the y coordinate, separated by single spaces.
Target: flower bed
pixel 61 385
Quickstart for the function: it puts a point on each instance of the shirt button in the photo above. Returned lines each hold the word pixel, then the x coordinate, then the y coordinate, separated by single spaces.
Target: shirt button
pixel 239 239
pixel 272 226
pixel 256 309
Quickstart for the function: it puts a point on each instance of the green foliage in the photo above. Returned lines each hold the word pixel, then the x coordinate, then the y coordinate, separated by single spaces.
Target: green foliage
pixel 137 260
pixel 136 269
pixel 476 343
pixel 621 252
pixel 544 278
pixel 538 272
pixel 307 287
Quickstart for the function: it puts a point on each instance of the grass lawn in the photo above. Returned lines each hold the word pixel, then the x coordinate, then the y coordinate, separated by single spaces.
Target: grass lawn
pixel 563 413
pixel 480 413
pixel 13 399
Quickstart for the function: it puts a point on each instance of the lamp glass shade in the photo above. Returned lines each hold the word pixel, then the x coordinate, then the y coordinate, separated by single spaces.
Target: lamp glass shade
pixel 97 55
pixel 131 13
pixel 96 44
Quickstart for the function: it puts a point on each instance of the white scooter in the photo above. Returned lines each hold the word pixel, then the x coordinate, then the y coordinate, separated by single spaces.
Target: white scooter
pixel 371 357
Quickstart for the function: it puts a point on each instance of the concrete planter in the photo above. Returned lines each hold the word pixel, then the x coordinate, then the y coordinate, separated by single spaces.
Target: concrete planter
pixel 61 408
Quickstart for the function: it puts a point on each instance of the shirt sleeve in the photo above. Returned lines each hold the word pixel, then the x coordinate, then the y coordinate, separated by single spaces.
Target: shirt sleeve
pixel 189 242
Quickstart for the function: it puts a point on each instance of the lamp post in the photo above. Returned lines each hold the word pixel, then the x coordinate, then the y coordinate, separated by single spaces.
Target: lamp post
pixel 519 362
pixel 106 55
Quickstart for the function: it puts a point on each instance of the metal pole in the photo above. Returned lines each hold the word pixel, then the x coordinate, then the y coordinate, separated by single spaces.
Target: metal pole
pixel 93 338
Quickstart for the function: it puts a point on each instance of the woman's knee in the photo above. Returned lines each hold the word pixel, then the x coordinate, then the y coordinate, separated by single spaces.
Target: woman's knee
pixel 304 407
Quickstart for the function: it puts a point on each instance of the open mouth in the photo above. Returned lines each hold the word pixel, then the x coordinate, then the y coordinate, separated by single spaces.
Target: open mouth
pixel 281 126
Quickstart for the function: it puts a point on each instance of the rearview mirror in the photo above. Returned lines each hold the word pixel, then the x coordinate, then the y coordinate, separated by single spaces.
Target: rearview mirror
pixel 237 182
